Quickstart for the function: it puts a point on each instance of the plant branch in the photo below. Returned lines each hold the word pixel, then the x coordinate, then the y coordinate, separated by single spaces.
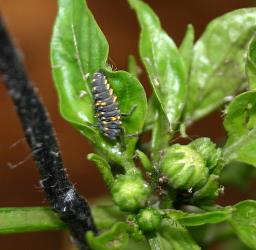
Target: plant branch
pixel 40 136
pixel 29 219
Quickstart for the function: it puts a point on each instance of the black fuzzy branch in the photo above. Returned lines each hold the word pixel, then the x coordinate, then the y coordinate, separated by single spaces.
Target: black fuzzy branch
pixel 40 136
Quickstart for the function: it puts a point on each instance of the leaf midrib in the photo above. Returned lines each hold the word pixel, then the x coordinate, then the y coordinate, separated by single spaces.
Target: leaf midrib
pixel 79 61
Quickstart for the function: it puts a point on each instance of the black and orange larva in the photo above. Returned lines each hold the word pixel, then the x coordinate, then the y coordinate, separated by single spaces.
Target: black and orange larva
pixel 106 107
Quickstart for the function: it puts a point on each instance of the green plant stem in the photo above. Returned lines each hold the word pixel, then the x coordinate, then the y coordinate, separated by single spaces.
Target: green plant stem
pixel 128 164
pixel 117 156
pixel 32 219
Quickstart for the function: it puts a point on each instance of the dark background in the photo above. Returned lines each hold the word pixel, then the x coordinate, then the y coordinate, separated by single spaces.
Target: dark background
pixel 30 23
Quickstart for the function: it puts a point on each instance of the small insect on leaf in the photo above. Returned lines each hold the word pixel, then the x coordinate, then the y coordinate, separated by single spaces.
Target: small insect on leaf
pixel 106 107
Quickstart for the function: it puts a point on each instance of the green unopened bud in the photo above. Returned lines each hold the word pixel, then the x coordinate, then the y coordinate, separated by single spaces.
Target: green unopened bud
pixel 130 192
pixel 184 167
pixel 149 219
pixel 208 150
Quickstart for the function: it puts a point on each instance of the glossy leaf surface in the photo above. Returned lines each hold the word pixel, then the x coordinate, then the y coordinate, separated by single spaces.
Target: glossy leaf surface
pixel 131 95
pixel 240 124
pixel 206 218
pixel 78 48
pixel 218 70
pixel 163 63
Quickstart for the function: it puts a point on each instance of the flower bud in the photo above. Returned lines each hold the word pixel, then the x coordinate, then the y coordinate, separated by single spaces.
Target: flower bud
pixel 130 192
pixel 149 219
pixel 184 167
pixel 208 151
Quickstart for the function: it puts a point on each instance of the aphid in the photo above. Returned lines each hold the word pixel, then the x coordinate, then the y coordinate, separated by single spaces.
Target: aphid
pixel 106 107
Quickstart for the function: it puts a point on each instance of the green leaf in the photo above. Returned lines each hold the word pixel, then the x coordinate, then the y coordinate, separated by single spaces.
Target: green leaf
pixel 78 48
pixel 218 63
pixel 163 63
pixel 115 238
pixel 160 137
pixel 191 220
pixel 244 222
pixel 186 47
pixel 151 113
pixel 31 219
pixel 240 124
pixel 133 68
pixel 116 234
pixel 146 163
pixel 157 121
pixel 217 215
pixel 172 236
pixel 251 64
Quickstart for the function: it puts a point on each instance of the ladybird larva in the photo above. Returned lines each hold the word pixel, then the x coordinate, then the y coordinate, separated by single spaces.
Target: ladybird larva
pixel 106 107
